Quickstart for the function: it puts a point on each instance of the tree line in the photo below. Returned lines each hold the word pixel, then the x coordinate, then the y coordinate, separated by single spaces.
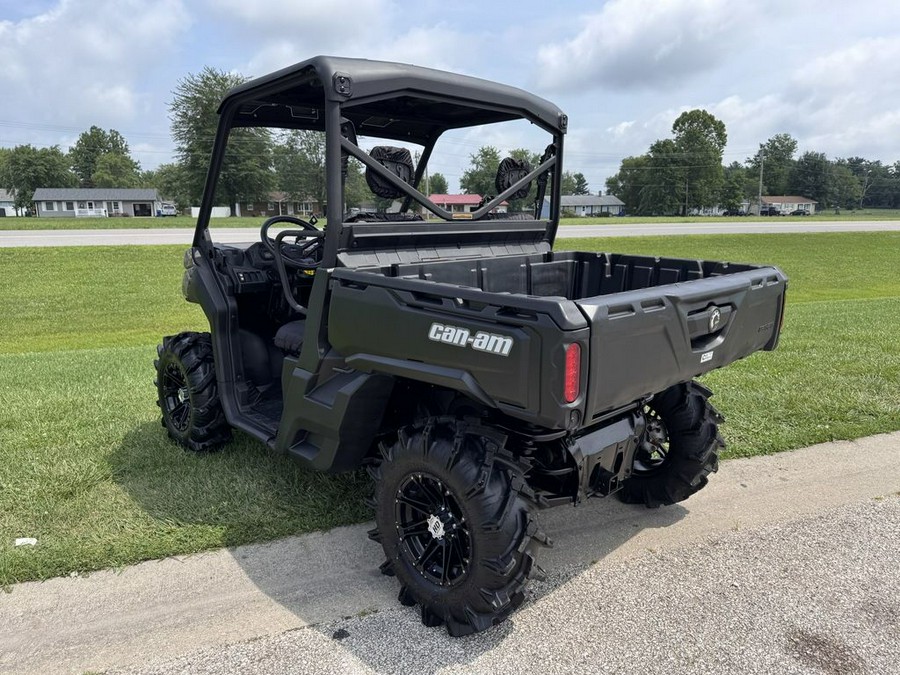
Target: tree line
pixel 99 158
pixel 675 176
pixel 681 174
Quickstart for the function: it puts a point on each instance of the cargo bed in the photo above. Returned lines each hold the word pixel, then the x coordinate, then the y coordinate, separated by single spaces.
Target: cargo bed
pixel 645 323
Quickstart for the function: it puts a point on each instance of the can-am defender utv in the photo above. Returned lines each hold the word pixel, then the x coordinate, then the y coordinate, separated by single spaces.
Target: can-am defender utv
pixel 477 374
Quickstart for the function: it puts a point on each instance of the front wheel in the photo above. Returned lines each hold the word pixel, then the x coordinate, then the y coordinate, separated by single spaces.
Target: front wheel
pixel 679 448
pixel 454 517
pixel 188 395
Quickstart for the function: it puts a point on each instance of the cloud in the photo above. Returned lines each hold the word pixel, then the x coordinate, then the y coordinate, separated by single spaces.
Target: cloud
pixel 302 21
pixel 633 44
pixel 82 62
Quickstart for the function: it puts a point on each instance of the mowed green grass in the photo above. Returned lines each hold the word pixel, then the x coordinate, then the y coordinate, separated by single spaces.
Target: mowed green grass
pixel 85 466
pixel 119 223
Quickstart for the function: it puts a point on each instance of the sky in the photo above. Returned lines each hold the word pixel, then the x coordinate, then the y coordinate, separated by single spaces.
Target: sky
pixel 827 72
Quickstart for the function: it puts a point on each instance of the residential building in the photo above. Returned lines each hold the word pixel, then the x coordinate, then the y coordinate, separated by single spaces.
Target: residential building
pixel 784 204
pixel 7 204
pixel 94 202
pixel 279 204
pixel 587 205
pixel 463 203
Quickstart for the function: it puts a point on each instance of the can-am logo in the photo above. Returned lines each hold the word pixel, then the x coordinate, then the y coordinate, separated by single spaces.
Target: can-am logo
pixel 463 337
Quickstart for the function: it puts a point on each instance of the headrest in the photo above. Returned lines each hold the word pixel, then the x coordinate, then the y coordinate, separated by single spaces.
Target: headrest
pixel 396 160
pixel 510 171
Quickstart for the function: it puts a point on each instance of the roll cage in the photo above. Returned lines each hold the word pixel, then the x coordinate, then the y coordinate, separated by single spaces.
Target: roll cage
pixel 345 97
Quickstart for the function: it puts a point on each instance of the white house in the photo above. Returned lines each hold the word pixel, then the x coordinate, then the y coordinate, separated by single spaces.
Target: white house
pixel 85 202
pixel 587 205
pixel 7 204
pixel 784 204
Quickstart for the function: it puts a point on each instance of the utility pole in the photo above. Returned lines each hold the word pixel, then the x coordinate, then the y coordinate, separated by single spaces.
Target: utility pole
pixel 762 160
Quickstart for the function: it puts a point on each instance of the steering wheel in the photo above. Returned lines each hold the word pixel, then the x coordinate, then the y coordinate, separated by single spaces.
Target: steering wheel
pixel 293 255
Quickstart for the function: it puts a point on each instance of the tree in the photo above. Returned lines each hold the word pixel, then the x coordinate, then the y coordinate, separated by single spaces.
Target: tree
pixel 700 139
pixel 116 171
pixel 574 184
pixel 777 156
pixel 90 147
pixel 169 180
pixel 299 160
pixel 628 184
pixel 734 187
pixel 28 168
pixel 581 185
pixel 664 190
pixel 809 177
pixel 356 191
pixel 246 173
pixel 479 178
pixel 844 189
pixel 437 184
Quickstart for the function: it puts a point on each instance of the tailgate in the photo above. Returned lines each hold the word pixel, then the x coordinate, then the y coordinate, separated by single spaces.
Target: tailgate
pixel 643 341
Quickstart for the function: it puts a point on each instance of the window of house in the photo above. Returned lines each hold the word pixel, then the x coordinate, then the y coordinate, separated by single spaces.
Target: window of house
pixel 270 206
pixel 115 206
pixel 49 206
pixel 70 206
pixel 250 206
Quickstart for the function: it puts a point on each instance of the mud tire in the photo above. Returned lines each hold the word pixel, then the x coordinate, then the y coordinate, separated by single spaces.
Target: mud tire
pixel 691 425
pixel 187 392
pixel 485 487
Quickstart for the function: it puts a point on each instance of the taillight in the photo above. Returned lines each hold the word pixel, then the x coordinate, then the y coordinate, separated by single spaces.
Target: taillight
pixel 573 372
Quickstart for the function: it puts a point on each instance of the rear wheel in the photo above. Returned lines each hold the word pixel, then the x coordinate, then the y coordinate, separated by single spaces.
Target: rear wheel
pixel 188 395
pixel 679 449
pixel 454 517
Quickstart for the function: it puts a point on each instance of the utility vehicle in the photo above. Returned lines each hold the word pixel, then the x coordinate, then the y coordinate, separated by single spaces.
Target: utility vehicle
pixel 476 373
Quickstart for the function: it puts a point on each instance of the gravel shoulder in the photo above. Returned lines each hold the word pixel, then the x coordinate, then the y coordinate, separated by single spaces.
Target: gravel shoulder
pixel 785 563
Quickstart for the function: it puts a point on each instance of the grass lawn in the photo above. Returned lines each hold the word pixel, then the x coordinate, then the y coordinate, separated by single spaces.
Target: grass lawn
pixel 842 215
pixel 119 223
pixel 85 466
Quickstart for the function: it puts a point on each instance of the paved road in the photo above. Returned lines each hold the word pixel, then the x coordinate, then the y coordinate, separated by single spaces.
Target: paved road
pixel 10 238
pixel 784 564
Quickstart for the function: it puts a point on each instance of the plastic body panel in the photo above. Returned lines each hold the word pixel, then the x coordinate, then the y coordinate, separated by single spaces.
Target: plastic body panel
pixel 382 325
pixel 643 324
pixel 641 341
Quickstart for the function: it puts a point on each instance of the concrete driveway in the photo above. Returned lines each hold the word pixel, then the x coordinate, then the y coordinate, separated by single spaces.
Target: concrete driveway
pixel 784 564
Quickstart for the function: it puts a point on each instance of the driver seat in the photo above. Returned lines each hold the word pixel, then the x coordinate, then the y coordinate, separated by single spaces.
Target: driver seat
pixel 289 337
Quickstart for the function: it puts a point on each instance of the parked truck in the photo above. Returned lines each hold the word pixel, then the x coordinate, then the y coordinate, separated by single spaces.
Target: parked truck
pixel 478 374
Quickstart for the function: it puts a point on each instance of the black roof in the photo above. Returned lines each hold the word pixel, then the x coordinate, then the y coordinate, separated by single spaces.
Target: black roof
pixel 389 100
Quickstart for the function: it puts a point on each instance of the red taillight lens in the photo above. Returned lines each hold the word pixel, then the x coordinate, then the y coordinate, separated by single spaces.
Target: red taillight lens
pixel 573 372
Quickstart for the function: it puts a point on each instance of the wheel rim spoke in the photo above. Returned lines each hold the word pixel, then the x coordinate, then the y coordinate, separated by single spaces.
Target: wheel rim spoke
pixel 653 451
pixel 414 503
pixel 427 552
pixel 414 530
pixel 433 534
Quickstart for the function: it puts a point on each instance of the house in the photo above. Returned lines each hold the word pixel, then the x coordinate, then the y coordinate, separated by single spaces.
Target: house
pixel 279 204
pixel 719 210
pixel 784 204
pixel 463 203
pixel 587 205
pixel 94 202
pixel 7 204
